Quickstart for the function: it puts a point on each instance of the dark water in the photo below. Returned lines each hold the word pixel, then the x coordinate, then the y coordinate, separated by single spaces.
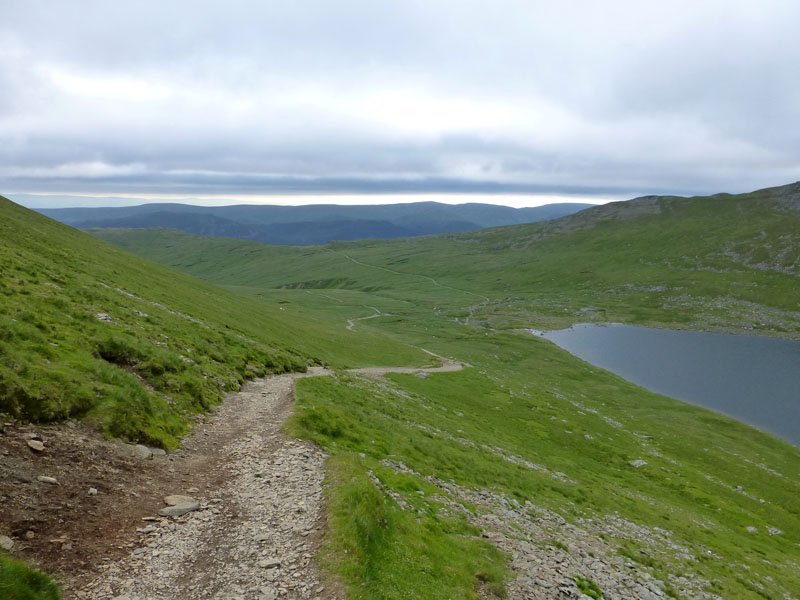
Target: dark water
pixel 753 379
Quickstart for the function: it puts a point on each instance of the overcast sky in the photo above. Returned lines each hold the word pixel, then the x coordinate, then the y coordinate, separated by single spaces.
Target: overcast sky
pixel 574 99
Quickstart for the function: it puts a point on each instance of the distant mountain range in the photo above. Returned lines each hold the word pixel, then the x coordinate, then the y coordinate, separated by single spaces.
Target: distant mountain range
pixel 311 224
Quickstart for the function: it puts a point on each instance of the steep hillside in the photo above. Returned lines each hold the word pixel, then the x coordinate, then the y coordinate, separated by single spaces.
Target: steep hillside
pixel 87 330
pixel 317 224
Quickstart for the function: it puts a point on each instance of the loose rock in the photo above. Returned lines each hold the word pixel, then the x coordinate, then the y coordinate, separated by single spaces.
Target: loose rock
pixel 142 451
pixel 179 509
pixel 36 445
pixel 176 499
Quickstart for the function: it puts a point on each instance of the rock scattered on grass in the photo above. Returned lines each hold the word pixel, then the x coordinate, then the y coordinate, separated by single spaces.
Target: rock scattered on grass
pixel 637 463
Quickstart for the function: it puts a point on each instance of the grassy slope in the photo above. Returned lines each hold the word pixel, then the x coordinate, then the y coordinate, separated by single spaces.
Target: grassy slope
pixel 19 582
pixel 171 346
pixel 722 262
pixel 685 266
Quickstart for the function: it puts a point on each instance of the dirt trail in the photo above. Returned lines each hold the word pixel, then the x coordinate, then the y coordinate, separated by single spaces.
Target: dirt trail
pixel 446 366
pixel 261 518
pixel 260 522
pixel 351 322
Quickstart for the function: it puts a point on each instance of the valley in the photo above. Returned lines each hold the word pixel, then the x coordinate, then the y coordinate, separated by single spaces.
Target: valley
pixel 526 473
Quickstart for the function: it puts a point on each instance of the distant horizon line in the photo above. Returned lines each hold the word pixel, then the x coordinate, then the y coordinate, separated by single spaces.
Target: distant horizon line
pixel 49 200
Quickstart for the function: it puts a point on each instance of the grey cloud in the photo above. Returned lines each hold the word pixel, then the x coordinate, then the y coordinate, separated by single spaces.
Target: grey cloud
pixel 534 97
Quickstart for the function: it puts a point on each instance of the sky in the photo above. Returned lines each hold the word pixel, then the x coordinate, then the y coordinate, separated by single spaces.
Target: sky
pixel 359 101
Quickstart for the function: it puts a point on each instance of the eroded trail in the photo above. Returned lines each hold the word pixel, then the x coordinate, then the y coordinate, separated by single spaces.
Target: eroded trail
pixel 261 517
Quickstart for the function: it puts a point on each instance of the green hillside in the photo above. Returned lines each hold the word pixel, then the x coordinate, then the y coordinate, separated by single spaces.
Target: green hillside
pixel 531 444
pixel 90 331
pixel 720 262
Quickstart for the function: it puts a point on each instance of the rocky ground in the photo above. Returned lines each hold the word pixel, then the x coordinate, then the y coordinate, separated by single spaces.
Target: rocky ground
pixel 548 555
pixel 246 524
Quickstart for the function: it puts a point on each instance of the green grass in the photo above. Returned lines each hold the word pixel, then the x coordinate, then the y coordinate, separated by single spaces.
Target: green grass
pixel 89 331
pixel 20 582
pixel 381 551
pixel 695 461
pixel 725 262
pixel 721 262
pixel 588 587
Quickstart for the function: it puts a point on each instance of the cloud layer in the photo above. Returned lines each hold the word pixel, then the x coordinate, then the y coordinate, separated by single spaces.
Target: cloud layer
pixel 443 95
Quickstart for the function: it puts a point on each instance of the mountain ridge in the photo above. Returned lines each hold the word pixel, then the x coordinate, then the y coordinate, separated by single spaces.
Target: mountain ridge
pixel 311 224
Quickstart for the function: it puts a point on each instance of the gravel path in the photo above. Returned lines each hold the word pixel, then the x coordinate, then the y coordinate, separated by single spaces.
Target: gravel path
pixel 260 520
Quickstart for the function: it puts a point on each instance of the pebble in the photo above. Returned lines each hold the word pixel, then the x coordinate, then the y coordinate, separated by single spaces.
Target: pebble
pixel 36 445
pixel 637 463
pixel 6 543
pixel 269 563
pixel 176 499
pixel 179 510
pixel 46 479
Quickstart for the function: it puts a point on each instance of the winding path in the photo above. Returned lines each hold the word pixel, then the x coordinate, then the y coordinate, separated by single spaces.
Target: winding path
pixel 261 519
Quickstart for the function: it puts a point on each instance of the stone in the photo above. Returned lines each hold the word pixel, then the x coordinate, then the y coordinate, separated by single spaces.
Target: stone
pixel 751 529
pixel 268 594
pixel 6 543
pixel 29 535
pixel 176 499
pixel 637 463
pixel 142 451
pixel 774 531
pixel 158 451
pixel 92 491
pixel 269 563
pixel 46 479
pixel 179 509
pixel 105 317
pixel 36 445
